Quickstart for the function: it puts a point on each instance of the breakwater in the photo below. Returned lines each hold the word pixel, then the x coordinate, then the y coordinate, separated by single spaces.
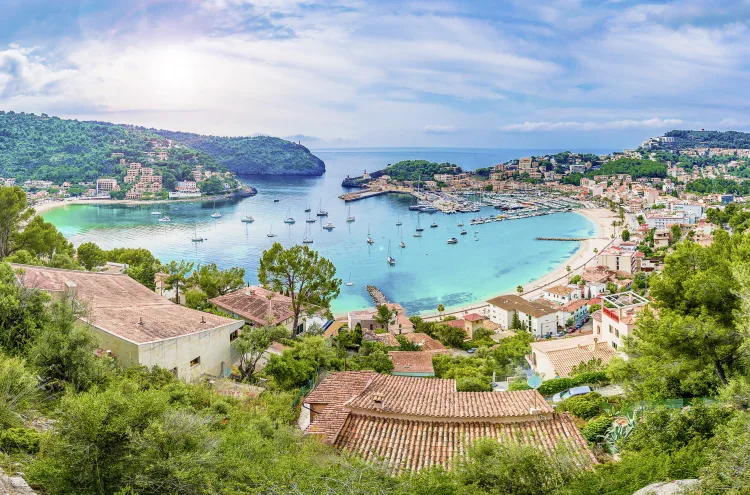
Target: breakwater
pixel 564 239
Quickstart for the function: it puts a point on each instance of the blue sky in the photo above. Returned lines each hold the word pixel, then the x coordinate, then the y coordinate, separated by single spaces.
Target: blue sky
pixel 516 73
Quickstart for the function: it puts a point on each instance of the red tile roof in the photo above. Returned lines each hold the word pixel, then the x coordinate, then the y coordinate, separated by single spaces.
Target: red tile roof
pixel 474 317
pixel 119 305
pixel 412 362
pixel 574 305
pixel 428 343
pixel 456 323
pixel 255 304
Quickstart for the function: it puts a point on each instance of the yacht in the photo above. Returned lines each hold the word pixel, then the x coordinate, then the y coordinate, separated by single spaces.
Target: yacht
pixel 247 218
pixel 165 219
pixel 460 224
pixel 349 283
pixel 196 238
pixel 321 213
pixel 307 208
pixel 452 240
pixel 417 234
pixel 401 244
pixel 270 232
pixel 350 218
pixel 369 238
pixel 390 259
pixel 156 213
pixel 216 214
pixel 433 225
pixel 419 226
pixel 329 226
pixel 307 239
pixel 463 232
pixel 289 220
pixel 275 200
pixel 399 223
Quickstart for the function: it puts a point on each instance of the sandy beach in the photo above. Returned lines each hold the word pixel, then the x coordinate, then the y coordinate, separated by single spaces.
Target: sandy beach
pixel 50 205
pixel 583 257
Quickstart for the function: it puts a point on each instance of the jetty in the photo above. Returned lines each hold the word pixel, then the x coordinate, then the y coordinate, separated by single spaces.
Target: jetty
pixel 369 193
pixel 376 295
pixel 564 239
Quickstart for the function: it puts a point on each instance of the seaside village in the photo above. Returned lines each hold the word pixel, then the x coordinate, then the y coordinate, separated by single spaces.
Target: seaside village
pixel 409 417
pixel 138 181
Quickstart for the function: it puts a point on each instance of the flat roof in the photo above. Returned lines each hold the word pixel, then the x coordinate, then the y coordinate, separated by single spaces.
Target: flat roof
pixel 625 299
pixel 119 305
pixel 512 302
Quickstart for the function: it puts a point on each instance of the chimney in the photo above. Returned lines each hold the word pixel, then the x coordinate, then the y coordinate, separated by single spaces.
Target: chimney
pixel 203 319
pixel 140 320
pixel 377 399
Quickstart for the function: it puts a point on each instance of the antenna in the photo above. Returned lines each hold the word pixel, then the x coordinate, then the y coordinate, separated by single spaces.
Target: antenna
pixel 534 381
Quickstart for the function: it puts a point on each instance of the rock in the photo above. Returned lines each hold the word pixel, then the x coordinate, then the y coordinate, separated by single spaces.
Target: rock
pixel 14 485
pixel 668 488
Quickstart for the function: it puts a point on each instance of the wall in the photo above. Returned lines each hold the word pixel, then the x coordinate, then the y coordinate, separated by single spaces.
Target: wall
pixel 125 352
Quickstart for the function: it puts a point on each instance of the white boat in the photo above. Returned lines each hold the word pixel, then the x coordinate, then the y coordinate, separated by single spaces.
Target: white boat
pixel 349 283
pixel 165 219
pixel 196 238
pixel 452 240
pixel 419 226
pixel 399 223
pixel 390 259
pixel 321 213
pixel 270 232
pixel 350 218
pixel 307 207
pixel 460 224
pixel 247 218
pixel 156 213
pixel 329 226
pixel 401 244
pixel 216 214
pixel 307 239
pixel 433 225
pixel 417 234
pixel 369 239
pixel 289 220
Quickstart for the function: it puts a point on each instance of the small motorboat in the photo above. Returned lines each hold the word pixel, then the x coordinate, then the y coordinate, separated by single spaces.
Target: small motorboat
pixel 289 220
pixel 247 219
pixel 156 213
pixel 463 232
pixel 216 214
pixel 329 226
pixel 433 225
pixel 452 240
pixel 276 200
pixel 165 219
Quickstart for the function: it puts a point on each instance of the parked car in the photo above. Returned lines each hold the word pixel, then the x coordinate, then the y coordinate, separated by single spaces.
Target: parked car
pixel 567 394
pixel 561 334
pixel 472 350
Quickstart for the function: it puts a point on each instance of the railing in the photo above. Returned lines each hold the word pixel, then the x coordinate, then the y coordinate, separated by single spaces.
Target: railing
pixel 304 390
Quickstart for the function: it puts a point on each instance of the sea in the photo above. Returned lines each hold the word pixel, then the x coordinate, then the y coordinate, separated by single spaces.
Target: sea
pixel 489 260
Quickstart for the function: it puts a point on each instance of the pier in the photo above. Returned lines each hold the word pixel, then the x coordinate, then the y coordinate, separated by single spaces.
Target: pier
pixel 564 239
pixel 376 295
pixel 369 193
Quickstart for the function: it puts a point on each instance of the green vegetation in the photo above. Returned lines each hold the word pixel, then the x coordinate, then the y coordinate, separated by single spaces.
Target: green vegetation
pixel 416 170
pixel 708 139
pixel 260 155
pixel 634 167
pixel 718 186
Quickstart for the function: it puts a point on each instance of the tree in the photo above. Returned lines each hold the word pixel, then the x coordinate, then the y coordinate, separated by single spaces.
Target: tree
pixel 641 220
pixel 515 322
pixel 142 265
pixel 15 214
pixel 250 345
pixel 215 282
pixel 676 233
pixel 22 311
pixel 625 235
pixel 519 289
pixel 90 255
pixel 177 277
pixel 567 269
pixel 384 316
pixel 440 309
pixel 42 239
pixel 300 272
pixel 18 391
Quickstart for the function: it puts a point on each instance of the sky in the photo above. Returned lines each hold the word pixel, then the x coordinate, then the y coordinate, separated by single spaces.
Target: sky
pixel 356 73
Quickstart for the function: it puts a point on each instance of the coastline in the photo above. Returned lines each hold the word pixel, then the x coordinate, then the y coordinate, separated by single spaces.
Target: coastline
pixel 601 217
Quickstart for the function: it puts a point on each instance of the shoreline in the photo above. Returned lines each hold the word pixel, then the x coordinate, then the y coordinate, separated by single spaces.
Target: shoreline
pixel 51 205
pixel 600 217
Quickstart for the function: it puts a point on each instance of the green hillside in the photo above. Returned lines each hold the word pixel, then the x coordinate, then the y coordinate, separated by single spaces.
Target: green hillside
pixel 708 139
pixel 262 155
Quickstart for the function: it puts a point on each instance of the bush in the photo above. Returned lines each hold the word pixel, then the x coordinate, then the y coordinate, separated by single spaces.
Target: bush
pixel 519 385
pixel 590 378
pixel 596 428
pixel 551 387
pixel 19 440
pixel 472 384
pixel 584 406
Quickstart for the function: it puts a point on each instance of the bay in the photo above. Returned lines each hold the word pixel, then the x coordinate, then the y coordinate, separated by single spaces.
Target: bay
pixel 427 272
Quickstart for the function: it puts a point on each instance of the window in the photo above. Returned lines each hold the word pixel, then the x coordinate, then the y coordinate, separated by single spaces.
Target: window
pixel 614 345
pixel 617 332
pixel 610 329
pixel 195 362
pixel 598 329
pixel 233 336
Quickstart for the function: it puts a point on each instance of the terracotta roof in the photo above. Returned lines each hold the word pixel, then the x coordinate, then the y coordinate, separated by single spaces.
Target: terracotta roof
pixel 574 305
pixel 512 302
pixel 386 339
pixel 437 398
pixel 474 317
pixel 255 304
pixel 411 445
pixel 412 362
pixel 428 343
pixel 456 323
pixel 564 354
pixel 597 315
pixel 560 290
pixel 595 300
pixel 119 305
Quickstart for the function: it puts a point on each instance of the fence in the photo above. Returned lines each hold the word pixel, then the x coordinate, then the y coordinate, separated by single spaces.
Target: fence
pixel 627 409
pixel 305 389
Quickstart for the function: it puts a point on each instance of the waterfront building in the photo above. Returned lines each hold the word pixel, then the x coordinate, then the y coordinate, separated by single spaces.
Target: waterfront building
pixel 562 294
pixel 138 326
pixel 105 186
pixel 397 419
pixel 539 319
pixel 556 358
pixel 622 261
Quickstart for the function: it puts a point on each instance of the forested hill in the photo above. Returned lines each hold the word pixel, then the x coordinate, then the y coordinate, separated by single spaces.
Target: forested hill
pixel 49 148
pixel 252 155
pixel 708 139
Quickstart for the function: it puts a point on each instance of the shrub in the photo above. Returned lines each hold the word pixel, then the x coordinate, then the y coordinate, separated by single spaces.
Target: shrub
pixel 596 428
pixel 551 387
pixel 584 406
pixel 19 440
pixel 590 378
pixel 519 385
pixel 472 384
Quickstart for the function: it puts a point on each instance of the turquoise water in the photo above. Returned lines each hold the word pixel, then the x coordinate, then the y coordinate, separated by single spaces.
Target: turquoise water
pixel 427 272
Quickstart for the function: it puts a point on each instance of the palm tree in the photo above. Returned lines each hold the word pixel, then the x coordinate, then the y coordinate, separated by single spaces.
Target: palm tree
pixel 519 289
pixel 440 309
pixel 383 316
pixel 567 268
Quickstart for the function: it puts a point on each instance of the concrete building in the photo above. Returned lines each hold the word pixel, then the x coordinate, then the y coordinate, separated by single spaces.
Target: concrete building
pixel 104 186
pixel 140 327
pixel 623 262
pixel 557 357
pixel 690 212
pixel 618 315
pixel 540 319
pixel 663 220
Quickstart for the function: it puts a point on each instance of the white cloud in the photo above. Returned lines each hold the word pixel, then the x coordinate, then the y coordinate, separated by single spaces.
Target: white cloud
pixel 439 129
pixel 654 123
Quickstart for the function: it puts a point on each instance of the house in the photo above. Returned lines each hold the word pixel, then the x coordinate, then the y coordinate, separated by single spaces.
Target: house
pixel 472 323
pixel 387 339
pixel 624 262
pixel 427 343
pixel 576 310
pixel 557 357
pixel 539 318
pixel 561 293
pixel 618 317
pixel 662 237
pixel 398 325
pixel 259 307
pixel 411 423
pixel 411 363
pixel 137 325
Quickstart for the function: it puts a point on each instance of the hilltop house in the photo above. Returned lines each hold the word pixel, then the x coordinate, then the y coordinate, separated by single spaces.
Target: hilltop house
pixel 557 357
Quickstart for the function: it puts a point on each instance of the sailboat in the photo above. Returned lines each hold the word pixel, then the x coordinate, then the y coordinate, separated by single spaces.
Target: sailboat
pixel 289 220
pixel 399 223
pixel 419 226
pixel 321 213
pixel 390 259
pixel 369 239
pixel 195 237
pixel 307 239
pixel 401 244
pixel 247 218
pixel 215 214
pixel 309 219
pixel 350 218
pixel 349 283
pixel 270 232
pixel 307 207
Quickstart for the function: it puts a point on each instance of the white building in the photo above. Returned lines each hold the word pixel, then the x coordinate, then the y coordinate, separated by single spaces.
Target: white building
pixel 557 357
pixel 618 317
pixel 663 220
pixel 540 319
pixel 139 326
